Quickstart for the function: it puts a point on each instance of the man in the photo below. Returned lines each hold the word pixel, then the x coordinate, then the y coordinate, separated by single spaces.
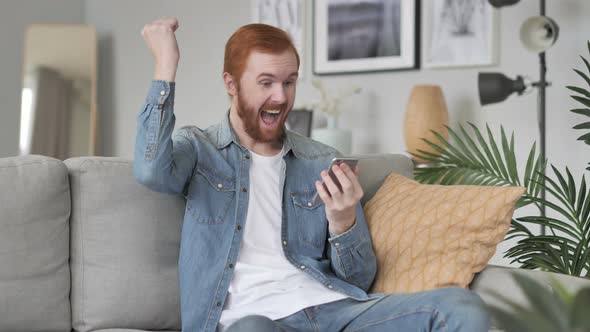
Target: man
pixel 256 251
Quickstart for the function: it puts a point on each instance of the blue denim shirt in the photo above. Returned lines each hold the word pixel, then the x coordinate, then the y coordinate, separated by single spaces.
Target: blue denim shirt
pixel 210 169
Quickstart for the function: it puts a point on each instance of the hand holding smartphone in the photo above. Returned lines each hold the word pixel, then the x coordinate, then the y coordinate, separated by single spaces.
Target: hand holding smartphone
pixel 350 161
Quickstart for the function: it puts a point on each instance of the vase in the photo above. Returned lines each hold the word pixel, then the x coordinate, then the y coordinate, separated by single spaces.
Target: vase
pixel 338 138
pixel 426 111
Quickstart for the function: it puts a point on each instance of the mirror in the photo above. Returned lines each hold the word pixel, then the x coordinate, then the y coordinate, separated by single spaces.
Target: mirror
pixel 58 108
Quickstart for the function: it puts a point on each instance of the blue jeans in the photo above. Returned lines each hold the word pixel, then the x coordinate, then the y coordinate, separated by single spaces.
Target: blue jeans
pixel 445 309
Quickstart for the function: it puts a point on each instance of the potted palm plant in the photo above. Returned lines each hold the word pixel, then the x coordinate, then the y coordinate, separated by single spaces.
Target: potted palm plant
pixel 480 159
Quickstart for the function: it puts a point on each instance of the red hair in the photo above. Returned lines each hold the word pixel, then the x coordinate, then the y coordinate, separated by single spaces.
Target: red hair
pixel 260 37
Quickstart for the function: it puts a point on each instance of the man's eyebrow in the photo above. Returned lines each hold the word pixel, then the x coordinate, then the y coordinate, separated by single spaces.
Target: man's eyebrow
pixel 296 74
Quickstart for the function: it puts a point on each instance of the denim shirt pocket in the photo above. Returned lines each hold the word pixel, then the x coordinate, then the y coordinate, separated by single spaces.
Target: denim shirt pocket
pixel 311 219
pixel 210 194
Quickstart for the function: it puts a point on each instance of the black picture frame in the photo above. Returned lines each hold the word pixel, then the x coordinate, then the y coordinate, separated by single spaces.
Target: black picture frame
pixel 360 36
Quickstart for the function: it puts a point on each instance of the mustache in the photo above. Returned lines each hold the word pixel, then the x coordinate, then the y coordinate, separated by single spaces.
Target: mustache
pixel 267 107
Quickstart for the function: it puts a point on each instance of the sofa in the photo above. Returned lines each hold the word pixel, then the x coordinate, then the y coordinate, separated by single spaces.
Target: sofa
pixel 84 247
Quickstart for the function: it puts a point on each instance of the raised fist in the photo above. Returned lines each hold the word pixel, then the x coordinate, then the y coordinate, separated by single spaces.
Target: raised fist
pixel 160 38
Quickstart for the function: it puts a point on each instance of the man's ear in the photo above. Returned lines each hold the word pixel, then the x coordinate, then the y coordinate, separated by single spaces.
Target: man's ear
pixel 230 83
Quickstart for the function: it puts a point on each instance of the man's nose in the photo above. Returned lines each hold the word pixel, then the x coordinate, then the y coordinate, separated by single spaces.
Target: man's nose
pixel 279 95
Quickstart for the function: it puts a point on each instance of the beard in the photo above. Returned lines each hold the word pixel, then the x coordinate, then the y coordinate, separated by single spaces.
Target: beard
pixel 251 120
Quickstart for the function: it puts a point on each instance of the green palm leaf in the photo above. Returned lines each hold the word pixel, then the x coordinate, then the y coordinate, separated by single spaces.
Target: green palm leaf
pixel 543 310
pixel 567 250
pixel 580 317
pixel 583 98
pixel 582 111
pixel 478 161
pixel 579 90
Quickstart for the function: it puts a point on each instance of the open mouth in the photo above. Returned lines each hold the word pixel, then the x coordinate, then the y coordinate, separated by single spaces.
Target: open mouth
pixel 270 117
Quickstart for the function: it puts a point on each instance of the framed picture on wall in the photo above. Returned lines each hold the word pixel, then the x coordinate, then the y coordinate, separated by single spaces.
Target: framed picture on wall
pixel 459 33
pixel 299 121
pixel 365 35
pixel 288 15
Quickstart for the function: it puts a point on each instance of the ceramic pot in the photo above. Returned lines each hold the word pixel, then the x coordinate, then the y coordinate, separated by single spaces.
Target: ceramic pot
pixel 426 111
pixel 338 138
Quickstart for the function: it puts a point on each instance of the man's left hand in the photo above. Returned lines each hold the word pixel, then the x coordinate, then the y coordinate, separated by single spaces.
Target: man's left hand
pixel 340 204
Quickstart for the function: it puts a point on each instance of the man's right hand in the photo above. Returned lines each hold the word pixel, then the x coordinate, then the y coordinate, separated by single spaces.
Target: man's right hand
pixel 160 38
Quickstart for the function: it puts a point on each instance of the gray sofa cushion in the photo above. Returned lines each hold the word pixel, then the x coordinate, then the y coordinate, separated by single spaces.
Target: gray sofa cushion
pixel 34 245
pixel 128 330
pixel 125 244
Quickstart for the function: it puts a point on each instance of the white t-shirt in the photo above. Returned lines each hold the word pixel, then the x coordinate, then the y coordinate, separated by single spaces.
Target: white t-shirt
pixel 264 282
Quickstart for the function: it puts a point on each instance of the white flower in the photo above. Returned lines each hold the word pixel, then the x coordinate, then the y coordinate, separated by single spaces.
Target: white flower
pixel 330 104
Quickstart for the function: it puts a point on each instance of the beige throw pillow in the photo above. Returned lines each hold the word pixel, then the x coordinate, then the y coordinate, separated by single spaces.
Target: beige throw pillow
pixel 432 236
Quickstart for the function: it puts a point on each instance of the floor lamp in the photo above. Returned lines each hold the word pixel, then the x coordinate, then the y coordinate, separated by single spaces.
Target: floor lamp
pixel 537 34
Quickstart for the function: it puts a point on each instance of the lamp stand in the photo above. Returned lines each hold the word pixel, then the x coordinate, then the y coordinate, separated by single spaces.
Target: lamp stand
pixel 541 99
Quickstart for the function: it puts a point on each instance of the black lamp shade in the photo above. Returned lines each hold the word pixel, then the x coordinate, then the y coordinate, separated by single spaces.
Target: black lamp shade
pixel 495 87
pixel 502 3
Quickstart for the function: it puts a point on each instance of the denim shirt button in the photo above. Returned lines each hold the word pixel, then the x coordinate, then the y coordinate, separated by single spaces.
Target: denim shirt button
pixel 231 266
pixel 218 304
pixel 330 286
pixel 219 185
pixel 284 243
pixel 244 189
pixel 309 204
pixel 163 92
pixel 337 244
pixel 239 227
pixel 303 267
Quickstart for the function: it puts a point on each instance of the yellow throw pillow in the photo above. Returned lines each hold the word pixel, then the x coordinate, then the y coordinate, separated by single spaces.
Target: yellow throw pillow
pixel 432 236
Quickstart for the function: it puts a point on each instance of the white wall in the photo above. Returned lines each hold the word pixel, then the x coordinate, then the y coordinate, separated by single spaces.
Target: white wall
pixel 14 17
pixel 126 66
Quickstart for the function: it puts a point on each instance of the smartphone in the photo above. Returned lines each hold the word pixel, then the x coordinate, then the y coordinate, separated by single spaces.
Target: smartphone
pixel 350 161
